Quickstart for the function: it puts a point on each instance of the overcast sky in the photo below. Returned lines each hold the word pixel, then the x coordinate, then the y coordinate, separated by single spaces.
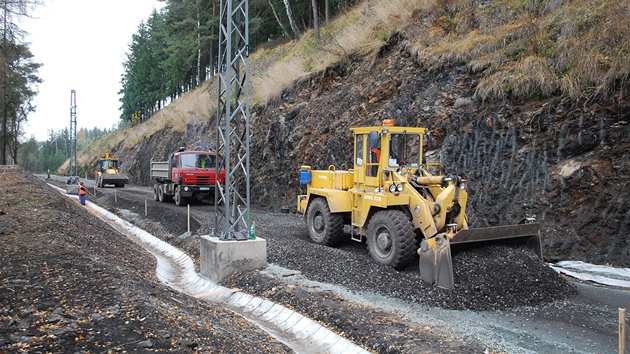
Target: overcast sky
pixel 81 44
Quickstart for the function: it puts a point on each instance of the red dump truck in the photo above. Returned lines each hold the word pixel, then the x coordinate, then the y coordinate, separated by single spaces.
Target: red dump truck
pixel 186 176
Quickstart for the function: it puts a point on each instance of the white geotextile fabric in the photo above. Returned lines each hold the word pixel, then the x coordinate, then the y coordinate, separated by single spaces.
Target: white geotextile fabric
pixel 600 274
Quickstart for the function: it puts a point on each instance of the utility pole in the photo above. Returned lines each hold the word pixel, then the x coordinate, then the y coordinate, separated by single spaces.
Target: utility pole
pixel 5 114
pixel 73 134
pixel 232 218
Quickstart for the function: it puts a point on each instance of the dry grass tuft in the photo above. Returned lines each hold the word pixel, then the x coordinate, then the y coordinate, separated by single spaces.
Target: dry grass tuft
pixel 527 78
pixel 528 49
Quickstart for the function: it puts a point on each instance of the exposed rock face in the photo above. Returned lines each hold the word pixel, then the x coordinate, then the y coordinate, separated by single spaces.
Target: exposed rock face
pixel 564 162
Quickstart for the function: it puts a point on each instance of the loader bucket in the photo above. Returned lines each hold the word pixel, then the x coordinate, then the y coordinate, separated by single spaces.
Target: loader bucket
pixel 435 253
pixel 119 180
pixel 524 233
pixel 435 261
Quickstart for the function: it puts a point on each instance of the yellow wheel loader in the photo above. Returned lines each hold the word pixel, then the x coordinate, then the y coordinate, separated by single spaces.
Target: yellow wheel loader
pixel 107 173
pixel 399 204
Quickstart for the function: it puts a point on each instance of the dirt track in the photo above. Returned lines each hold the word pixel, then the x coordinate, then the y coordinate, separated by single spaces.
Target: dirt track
pixel 71 284
pixel 341 288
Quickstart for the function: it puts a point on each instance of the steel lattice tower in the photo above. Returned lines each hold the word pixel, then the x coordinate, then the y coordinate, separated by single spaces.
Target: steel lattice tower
pixel 73 135
pixel 232 217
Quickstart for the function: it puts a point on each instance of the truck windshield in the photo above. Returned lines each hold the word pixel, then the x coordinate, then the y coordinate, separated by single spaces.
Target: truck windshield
pixel 404 150
pixel 197 161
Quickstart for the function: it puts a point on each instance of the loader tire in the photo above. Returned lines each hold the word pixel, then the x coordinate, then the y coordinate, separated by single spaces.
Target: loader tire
pixel 324 227
pixel 391 239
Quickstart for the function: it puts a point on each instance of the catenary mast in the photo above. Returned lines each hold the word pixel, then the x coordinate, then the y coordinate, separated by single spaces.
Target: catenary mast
pixel 232 218
pixel 74 166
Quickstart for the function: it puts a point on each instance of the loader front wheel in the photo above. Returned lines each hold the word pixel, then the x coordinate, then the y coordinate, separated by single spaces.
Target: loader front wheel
pixel 391 239
pixel 324 227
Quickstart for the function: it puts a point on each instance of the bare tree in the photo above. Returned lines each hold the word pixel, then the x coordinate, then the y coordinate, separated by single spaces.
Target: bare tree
pixel 275 14
pixel 294 28
pixel 315 19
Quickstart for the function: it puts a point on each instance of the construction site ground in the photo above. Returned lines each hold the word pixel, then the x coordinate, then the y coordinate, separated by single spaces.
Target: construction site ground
pixel 70 283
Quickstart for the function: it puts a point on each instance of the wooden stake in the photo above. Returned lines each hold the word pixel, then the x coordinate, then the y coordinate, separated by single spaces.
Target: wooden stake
pixel 188 217
pixel 146 211
pixel 115 196
pixel 622 331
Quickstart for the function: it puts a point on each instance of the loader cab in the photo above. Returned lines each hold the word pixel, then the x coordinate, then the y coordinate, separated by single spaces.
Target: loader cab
pixel 108 164
pixel 385 148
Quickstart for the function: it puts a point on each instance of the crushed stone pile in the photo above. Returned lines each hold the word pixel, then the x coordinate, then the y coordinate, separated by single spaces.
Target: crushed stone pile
pixel 486 278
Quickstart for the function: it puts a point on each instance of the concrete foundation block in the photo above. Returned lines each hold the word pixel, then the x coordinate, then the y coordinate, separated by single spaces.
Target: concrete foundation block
pixel 219 258
pixel 72 189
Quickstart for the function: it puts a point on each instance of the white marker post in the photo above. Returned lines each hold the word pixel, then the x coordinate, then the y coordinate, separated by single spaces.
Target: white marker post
pixel 622 331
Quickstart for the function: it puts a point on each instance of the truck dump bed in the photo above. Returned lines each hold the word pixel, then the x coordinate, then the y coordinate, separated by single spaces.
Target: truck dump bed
pixel 159 169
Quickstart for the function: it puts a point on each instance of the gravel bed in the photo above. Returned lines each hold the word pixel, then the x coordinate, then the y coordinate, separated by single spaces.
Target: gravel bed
pixel 494 277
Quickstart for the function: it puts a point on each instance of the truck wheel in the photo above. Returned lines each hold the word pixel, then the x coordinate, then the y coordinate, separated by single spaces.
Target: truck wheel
pixel 324 227
pixel 161 194
pixel 179 201
pixel 155 191
pixel 390 239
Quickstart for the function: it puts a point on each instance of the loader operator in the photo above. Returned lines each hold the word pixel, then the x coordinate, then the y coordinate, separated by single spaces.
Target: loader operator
pixel 375 157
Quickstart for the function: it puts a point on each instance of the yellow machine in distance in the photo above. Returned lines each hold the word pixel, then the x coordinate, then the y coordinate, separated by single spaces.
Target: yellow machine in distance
pixel 394 202
pixel 107 173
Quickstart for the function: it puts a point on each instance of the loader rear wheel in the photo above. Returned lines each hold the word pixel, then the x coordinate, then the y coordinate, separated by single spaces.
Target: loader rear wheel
pixel 324 227
pixel 391 239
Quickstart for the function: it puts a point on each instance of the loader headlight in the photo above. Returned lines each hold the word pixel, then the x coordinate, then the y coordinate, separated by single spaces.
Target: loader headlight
pixel 399 187
pixel 462 186
pixel 392 188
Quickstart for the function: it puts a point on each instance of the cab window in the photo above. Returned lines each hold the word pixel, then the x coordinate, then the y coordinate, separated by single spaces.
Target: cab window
pixel 359 150
pixel 404 150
